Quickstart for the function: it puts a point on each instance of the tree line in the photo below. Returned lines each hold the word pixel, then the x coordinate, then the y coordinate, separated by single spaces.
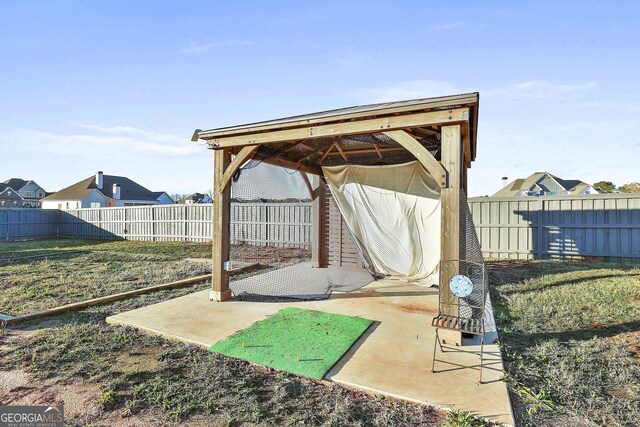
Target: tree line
pixel 610 187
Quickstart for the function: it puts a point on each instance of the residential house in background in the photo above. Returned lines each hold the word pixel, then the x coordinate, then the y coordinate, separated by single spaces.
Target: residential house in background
pixel 195 198
pixel 9 198
pixel 104 190
pixel 545 184
pixel 21 193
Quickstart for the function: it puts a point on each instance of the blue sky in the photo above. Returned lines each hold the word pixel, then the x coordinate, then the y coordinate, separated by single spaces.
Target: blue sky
pixel 120 86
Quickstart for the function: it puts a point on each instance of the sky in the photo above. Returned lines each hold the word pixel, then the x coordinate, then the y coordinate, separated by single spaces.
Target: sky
pixel 120 86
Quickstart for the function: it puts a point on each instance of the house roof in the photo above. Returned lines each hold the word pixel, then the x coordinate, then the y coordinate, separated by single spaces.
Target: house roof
pixel 129 189
pixel 520 184
pixel 195 197
pixel 14 183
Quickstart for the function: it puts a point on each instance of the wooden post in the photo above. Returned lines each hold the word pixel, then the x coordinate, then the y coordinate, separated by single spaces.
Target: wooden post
pixel 221 213
pixel 451 159
pixel 319 256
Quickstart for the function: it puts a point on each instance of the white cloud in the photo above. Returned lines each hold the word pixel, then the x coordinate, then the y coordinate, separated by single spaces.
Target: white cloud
pixel 106 140
pixel 143 134
pixel 197 47
pixel 156 160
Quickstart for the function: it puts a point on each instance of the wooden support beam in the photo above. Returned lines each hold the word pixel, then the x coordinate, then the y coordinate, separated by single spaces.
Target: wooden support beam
pixel 379 151
pixel 102 300
pixel 342 153
pixel 290 164
pixel 464 130
pixel 306 156
pixel 442 102
pixel 221 222
pixel 313 150
pixel 313 193
pixel 320 246
pixel 452 152
pixel 422 154
pixel 347 128
pixel 241 158
pixel 326 153
pixel 377 147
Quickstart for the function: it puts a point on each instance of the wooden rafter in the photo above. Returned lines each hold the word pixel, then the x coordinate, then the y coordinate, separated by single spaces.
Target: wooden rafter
pixel 306 147
pixel 290 164
pixel 342 152
pixel 291 146
pixel 379 151
pixel 326 153
pixel 377 147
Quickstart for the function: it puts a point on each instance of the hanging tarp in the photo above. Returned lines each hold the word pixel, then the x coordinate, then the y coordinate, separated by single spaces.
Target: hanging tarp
pixel 393 212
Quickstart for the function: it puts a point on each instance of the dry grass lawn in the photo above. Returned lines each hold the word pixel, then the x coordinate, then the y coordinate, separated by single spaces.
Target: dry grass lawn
pixel 569 334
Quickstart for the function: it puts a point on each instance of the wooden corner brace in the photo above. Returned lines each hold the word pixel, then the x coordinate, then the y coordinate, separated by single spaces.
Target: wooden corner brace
pixel 422 155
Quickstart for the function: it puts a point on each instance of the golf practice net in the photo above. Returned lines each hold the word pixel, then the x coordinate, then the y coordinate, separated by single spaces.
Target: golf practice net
pixel 390 214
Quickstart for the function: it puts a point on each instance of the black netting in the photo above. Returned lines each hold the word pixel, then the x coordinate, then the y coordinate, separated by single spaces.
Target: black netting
pixel 471 265
pixel 271 232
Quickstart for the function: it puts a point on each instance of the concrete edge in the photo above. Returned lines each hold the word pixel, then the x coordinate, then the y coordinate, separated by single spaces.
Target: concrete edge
pixel 112 320
pixel 375 391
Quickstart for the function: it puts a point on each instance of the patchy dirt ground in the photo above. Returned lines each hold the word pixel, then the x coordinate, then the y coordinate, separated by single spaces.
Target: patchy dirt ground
pixel 114 376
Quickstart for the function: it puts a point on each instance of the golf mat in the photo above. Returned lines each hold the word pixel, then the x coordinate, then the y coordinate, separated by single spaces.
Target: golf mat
pixel 304 342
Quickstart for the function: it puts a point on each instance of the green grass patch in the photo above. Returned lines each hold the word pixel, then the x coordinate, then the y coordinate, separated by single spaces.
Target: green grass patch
pixel 303 342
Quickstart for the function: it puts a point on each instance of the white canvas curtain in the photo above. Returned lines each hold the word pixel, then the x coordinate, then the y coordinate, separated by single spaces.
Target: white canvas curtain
pixel 394 213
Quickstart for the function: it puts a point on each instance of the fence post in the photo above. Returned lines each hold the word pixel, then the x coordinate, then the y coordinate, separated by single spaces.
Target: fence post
pixel 185 222
pixel 266 224
pixel 541 221
pixel 153 223
pixel 8 224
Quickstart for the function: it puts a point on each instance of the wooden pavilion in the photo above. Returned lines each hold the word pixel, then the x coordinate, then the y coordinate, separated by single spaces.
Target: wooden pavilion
pixel 439 132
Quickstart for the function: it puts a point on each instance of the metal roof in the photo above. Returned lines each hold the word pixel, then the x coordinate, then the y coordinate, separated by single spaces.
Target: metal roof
pixel 355 112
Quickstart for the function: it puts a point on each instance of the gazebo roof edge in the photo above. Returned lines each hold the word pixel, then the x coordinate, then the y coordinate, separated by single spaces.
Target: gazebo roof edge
pixel 349 113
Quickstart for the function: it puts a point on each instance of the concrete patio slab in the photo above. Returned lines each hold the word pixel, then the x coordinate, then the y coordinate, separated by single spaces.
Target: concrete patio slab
pixel 392 358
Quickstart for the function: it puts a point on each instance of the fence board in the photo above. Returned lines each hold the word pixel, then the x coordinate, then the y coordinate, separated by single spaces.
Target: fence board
pixel 280 224
pixel 27 224
pixel 601 226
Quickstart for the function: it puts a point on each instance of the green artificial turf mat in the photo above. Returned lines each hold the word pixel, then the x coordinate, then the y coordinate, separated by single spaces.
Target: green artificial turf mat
pixel 316 338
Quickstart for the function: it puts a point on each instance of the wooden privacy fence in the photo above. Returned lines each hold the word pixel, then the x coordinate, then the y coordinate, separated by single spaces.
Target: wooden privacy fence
pixel 600 226
pixel 603 226
pixel 283 224
pixel 26 224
